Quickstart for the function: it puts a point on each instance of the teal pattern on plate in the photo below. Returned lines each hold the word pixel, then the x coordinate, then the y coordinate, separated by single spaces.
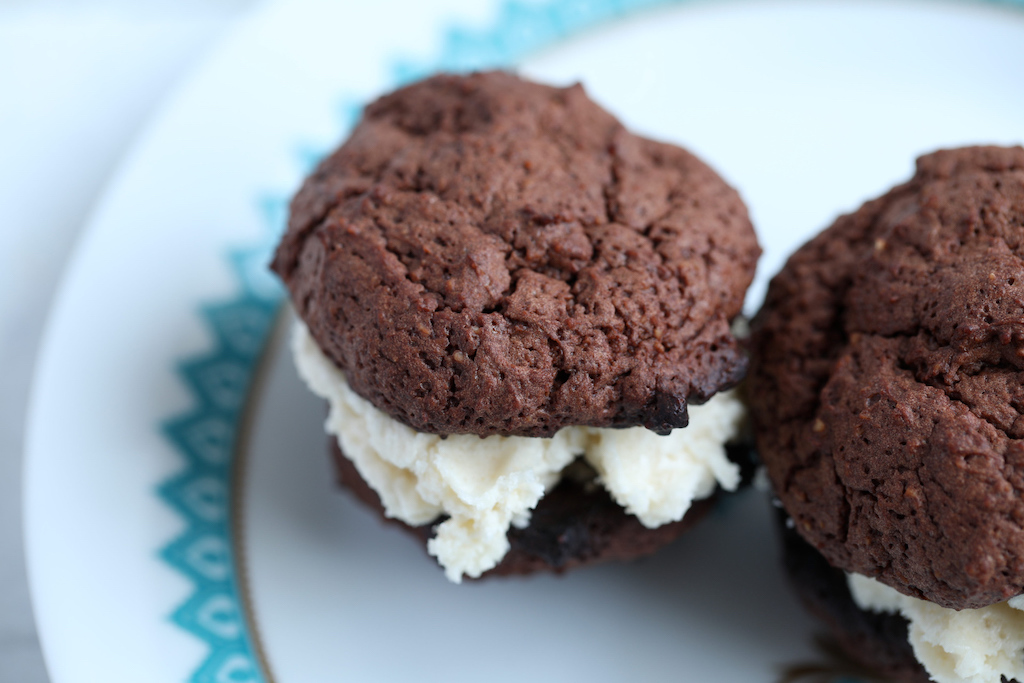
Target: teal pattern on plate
pixel 219 379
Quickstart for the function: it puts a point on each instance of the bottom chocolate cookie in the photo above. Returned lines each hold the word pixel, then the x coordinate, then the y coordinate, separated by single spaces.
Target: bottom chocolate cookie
pixel 876 640
pixel 575 524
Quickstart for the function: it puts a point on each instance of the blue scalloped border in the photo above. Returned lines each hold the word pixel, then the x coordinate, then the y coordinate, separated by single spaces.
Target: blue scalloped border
pixel 206 435
pixel 219 379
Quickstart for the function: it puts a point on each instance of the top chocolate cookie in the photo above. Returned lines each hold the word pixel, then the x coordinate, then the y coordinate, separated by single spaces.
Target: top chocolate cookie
pixel 887 383
pixel 492 256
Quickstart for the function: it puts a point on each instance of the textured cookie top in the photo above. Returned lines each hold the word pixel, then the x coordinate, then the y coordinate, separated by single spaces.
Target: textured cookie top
pixel 887 383
pixel 491 256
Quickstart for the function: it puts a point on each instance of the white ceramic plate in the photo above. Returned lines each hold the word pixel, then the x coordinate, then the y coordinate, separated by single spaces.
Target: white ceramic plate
pixel 182 523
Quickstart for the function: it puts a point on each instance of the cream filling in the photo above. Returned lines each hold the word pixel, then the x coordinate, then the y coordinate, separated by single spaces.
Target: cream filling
pixel 954 646
pixel 486 485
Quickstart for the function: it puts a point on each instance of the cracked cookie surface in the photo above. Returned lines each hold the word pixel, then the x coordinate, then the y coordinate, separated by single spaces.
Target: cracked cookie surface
pixel 887 383
pixel 491 256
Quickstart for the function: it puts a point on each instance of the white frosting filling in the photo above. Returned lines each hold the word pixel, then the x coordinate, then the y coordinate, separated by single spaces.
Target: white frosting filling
pixel 954 646
pixel 486 485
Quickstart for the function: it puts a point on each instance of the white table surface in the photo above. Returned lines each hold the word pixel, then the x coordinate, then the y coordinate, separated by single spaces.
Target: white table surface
pixel 78 80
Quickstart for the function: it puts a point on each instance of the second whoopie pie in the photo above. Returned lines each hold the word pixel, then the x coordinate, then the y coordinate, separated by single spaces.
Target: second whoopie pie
pixel 887 398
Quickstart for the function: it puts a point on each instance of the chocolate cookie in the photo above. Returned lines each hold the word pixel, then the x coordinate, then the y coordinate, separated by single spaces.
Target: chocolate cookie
pixel 576 523
pixel 491 256
pixel 887 383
